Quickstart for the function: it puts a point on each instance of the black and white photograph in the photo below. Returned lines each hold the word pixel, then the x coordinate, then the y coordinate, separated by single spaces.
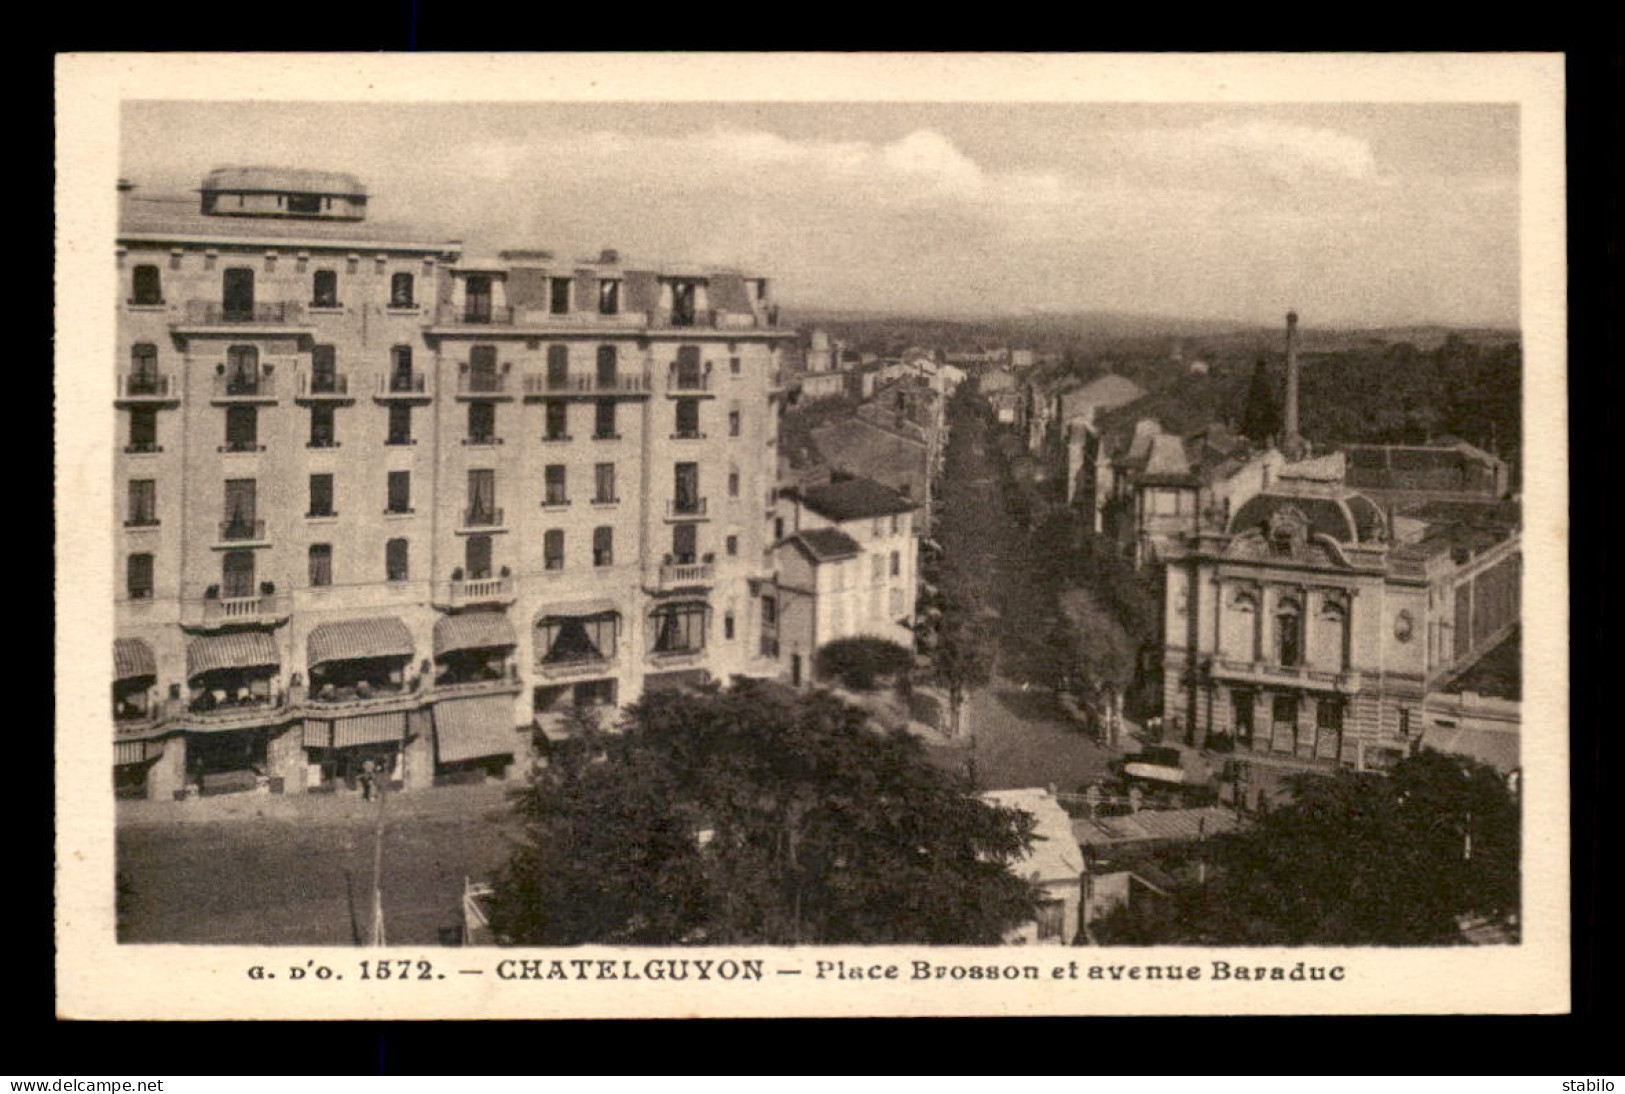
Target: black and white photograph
pixel 1068 527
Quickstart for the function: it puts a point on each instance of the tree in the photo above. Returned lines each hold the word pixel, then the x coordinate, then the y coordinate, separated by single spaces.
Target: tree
pixel 961 653
pixel 1261 416
pixel 759 816
pixel 1365 859
pixel 857 662
pixel 1098 656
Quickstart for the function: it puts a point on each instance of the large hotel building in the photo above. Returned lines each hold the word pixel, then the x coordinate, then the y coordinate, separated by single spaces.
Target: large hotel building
pixel 386 501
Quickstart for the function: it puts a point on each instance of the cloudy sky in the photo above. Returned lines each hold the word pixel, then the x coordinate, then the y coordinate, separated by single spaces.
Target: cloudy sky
pixel 1355 215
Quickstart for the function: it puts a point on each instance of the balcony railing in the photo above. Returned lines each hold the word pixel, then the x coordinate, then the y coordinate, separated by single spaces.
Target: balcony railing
pixel 570 668
pixel 481 383
pixel 240 609
pixel 487 517
pixel 324 385
pixel 686 507
pixel 402 385
pixel 212 313
pixel 145 385
pixel 677 574
pixel 232 531
pixel 684 380
pixel 587 384
pixel 479 590
pixel 245 385
pixel 474 315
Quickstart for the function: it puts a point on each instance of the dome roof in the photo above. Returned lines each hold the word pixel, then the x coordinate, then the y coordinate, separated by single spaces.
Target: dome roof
pixel 1349 519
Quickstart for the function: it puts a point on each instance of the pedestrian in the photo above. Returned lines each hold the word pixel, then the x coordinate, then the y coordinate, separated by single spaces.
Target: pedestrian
pixel 368 770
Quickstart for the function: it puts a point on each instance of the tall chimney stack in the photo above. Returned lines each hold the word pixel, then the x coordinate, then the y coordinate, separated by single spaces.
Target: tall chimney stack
pixel 1291 442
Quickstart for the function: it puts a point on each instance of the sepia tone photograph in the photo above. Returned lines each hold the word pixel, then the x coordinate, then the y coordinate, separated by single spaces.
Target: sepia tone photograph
pixel 764 523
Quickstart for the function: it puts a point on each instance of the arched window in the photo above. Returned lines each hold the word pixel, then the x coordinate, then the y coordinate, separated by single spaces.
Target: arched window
pixel 401 291
pixel 1288 633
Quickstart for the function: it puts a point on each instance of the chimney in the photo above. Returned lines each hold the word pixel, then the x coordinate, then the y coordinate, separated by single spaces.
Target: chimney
pixel 1292 443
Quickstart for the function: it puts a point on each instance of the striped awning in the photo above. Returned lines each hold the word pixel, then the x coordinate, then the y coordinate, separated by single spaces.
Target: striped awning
pixel 472 631
pixel 318 733
pixel 369 729
pixel 247 650
pixel 385 636
pixel 132 657
pixel 135 752
pixel 468 729
pixel 575 609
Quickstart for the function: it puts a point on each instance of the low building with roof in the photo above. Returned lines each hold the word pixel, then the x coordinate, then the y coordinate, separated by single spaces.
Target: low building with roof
pixel 1306 632
pixel 845 567
pixel 1054 864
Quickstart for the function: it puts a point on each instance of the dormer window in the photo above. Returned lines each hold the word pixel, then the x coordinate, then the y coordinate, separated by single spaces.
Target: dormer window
pixel 559 296
pixel 609 298
pixel 304 203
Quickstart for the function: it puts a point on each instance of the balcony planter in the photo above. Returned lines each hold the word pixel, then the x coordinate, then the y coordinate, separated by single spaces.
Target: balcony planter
pixel 457 574
pixel 506 573
pixel 267 588
pixel 212 593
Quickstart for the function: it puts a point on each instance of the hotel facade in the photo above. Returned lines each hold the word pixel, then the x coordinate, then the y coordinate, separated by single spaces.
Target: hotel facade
pixel 384 502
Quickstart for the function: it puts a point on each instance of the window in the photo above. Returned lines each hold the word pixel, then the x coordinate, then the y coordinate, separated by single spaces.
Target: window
pixel 400 425
pixel 689 376
pixel 321 496
pixel 603 426
pixel 1284 709
pixel 558 368
pixel 558 420
pixel 477 558
pixel 685 539
pixel 401 291
pixel 482 369
pixel 395 560
pixel 896 563
pixel 778 528
pixel 679 628
pixel 237 294
pixel 482 498
pixel 604 482
pixel 1242 704
pixel 400 492
pixel 323 430
pixel 877 570
pixel 607 367
pixel 559 295
pixel 304 203
pixel 324 289
pixel 143 429
pixel 143 369
pixel 324 375
pixel 237 575
pixel 1329 714
pixel 682 304
pixel 1288 634
pixel 578 637
pixel 146 286
pixel 609 298
pixel 321 564
pixel 477 299
pixel 400 368
pixel 688 418
pixel 896 525
pixel 482 423
pixel 242 429
pixel 242 370
pixel 728 626
pixel 240 512
pixel 138 577
pixel 603 546
pixel 143 512
pixel 731 545
pixel 733 423
pixel 553 549
pixel 733 365
pixel 554 480
pixel 733 484
pixel 770 612
pixel 686 488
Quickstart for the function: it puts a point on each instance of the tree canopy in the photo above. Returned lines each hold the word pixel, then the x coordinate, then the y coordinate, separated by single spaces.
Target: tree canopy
pixel 757 815
pixel 859 661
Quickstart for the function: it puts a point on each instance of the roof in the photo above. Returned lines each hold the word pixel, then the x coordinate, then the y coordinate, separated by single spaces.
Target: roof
pixel 382 636
pixel 855 499
pixel 1348 518
pixel 1498 748
pixel 246 649
pixel 178 219
pixel 1054 854
pixel 1170 825
pixel 283 179
pixel 825 544
pixel 1498 673
pixel 472 631
pixel 1105 393
pixel 131 658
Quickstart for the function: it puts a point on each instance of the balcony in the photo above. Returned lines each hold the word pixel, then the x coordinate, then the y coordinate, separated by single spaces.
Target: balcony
pixel 764 317
pixel 241 446
pixel 486 517
pixel 243 387
pixel 146 389
pixel 679 575
pixel 212 316
pixel 587 385
pixel 242 531
pixel 479 590
pixel 687 435
pixel 402 386
pixel 576 668
pixel 318 387
pixel 686 509
pixel 233 610
pixel 473 315
pixel 483 385
pixel 1301 676
pixel 687 382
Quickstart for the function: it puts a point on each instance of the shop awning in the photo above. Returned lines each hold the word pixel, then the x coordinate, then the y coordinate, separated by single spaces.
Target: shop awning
pixel 472 631
pixel 135 752
pixel 574 609
pixel 384 636
pixel 369 729
pixel 132 657
pixel 1499 749
pixel 318 733
pixel 250 649
pixel 468 729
